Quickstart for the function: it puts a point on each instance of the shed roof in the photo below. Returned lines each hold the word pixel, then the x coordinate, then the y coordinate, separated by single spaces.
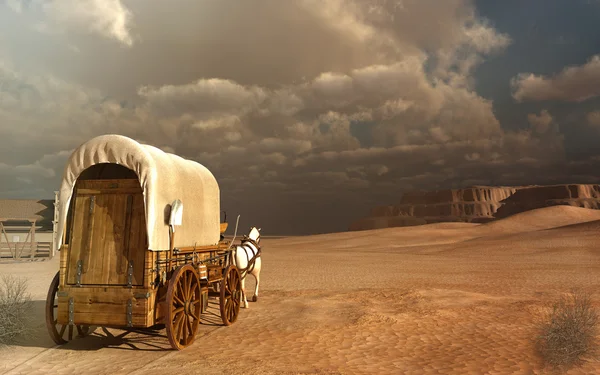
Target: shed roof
pixel 42 210
pixel 163 177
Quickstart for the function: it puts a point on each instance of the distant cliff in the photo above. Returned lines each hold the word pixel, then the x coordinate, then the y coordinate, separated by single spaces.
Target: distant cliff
pixel 476 204
pixel 532 197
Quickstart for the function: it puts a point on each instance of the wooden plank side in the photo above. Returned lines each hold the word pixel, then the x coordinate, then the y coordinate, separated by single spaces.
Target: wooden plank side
pixel 137 238
pixel 190 249
pixel 103 315
pixel 107 306
pixel 150 268
pixel 115 264
pixel 107 263
pixel 80 235
pixel 64 261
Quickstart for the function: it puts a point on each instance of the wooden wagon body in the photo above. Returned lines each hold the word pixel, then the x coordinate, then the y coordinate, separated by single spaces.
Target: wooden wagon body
pixel 122 263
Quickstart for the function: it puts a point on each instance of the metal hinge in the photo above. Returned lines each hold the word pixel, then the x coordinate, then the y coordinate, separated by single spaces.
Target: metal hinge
pixel 130 274
pixel 71 310
pixel 92 199
pixel 129 313
pixel 79 271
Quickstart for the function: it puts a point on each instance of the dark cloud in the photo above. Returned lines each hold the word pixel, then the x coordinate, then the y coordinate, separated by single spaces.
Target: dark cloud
pixel 308 112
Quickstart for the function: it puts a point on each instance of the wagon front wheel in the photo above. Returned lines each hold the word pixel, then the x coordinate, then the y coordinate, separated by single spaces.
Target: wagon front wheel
pixel 60 333
pixel 231 295
pixel 183 307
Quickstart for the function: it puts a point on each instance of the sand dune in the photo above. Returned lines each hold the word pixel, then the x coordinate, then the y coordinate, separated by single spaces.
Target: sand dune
pixel 543 218
pixel 450 298
pixel 587 226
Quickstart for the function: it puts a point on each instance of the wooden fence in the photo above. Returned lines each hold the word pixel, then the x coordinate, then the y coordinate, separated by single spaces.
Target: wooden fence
pixel 30 248
pixel 24 250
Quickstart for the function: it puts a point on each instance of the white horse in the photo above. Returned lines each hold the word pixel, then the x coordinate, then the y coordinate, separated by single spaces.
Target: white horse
pixel 247 259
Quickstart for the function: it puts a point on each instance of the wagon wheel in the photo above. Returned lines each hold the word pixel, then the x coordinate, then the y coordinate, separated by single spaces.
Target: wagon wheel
pixel 58 333
pixel 183 307
pixel 231 293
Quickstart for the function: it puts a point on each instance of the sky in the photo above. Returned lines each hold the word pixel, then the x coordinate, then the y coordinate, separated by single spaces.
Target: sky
pixel 308 112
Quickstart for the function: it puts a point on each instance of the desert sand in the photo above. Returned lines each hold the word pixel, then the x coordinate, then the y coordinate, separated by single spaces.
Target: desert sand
pixel 449 298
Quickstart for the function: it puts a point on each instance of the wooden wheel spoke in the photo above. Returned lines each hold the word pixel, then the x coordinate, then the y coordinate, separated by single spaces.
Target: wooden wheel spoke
pixel 181 291
pixel 178 310
pixel 194 315
pixel 184 286
pixel 231 311
pixel 189 288
pixel 79 330
pixel 178 300
pixel 62 331
pixel 189 324
pixel 178 326
pixel 184 329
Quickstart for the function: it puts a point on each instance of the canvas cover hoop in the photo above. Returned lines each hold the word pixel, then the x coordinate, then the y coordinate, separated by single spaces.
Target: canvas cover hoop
pixel 163 177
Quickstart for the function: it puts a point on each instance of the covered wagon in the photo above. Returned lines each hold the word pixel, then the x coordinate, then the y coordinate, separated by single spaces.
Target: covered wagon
pixel 130 255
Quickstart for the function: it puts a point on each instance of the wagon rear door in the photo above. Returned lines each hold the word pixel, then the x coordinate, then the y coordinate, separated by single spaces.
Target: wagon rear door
pixel 108 233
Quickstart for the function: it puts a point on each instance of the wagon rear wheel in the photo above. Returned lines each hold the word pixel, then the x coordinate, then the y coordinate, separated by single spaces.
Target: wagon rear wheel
pixel 60 334
pixel 231 295
pixel 183 307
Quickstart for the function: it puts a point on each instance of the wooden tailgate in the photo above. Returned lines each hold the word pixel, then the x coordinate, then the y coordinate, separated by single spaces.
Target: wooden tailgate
pixel 108 232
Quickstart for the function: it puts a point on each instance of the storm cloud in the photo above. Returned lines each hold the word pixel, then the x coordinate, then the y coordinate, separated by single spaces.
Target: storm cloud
pixel 308 112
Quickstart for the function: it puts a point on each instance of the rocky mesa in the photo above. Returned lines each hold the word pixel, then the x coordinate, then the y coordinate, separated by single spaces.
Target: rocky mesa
pixel 476 204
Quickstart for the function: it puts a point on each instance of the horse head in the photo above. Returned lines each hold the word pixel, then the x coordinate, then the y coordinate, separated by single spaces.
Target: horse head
pixel 254 234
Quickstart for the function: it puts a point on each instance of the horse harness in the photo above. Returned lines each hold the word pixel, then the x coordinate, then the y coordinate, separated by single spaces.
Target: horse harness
pixel 251 261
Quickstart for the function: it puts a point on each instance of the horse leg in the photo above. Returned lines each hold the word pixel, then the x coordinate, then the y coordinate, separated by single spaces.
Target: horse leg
pixel 257 278
pixel 244 291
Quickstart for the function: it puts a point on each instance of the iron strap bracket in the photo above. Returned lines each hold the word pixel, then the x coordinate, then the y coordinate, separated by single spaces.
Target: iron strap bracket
pixel 129 313
pixel 79 271
pixel 71 310
pixel 130 274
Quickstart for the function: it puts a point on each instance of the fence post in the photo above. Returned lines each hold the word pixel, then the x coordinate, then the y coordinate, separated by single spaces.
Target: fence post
pixel 33 245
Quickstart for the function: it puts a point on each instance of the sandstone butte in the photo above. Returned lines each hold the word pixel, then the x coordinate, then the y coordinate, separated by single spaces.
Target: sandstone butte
pixel 477 204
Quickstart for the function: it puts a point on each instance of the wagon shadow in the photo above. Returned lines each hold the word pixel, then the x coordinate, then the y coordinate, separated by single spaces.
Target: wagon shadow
pixel 142 339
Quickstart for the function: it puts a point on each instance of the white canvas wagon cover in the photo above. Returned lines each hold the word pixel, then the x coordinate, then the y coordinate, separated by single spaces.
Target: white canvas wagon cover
pixel 163 177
